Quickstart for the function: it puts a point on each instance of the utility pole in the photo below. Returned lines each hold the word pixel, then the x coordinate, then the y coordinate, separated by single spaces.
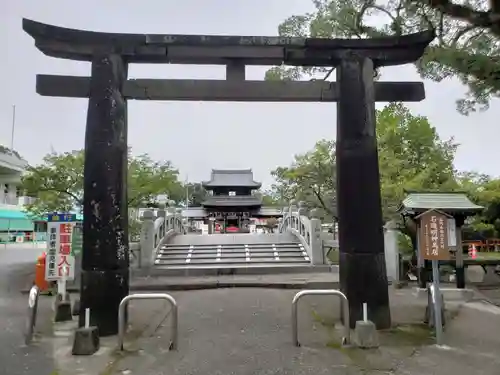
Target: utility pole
pixel 187 191
pixel 13 127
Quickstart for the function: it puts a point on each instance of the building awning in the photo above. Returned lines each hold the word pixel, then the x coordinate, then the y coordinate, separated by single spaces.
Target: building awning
pixel 13 225
pixel 15 220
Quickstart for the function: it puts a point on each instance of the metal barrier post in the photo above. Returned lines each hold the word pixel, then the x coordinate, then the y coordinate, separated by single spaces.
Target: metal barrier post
pixel 121 316
pixel 344 306
pixel 32 312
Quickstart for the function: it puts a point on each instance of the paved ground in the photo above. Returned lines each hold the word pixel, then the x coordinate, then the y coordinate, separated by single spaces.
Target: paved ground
pixel 248 331
pixel 311 280
pixel 16 267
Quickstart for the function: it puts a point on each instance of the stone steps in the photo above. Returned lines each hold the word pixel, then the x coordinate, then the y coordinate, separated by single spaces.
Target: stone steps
pixel 265 257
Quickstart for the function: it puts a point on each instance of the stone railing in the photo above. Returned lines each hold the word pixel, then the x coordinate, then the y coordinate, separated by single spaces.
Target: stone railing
pixel 306 226
pixel 156 231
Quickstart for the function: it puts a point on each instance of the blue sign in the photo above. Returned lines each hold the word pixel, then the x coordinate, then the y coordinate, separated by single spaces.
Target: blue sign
pixel 61 217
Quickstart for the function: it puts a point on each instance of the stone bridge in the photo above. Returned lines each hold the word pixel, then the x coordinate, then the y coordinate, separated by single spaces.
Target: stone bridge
pixel 300 245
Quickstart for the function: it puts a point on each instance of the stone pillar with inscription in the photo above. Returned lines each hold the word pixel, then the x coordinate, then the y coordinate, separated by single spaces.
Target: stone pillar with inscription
pixel 363 276
pixel 147 239
pixel 105 261
pixel 392 258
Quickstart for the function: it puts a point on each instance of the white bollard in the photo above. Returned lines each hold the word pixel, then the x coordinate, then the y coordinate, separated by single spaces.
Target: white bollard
pixel 87 317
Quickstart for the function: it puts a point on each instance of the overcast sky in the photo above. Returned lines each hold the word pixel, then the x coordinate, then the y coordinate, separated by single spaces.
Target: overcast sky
pixel 197 136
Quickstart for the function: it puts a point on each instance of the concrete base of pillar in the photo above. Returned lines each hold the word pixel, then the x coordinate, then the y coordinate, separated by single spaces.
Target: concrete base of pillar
pixel 76 307
pixel 365 335
pixel 86 341
pixel 63 310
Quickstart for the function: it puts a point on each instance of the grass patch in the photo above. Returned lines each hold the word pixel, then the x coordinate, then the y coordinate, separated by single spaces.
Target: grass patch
pixel 418 334
pixel 487 255
pixel 327 322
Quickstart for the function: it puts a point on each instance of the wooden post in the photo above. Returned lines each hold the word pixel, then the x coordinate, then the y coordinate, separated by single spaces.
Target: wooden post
pixel 433 246
pixel 459 255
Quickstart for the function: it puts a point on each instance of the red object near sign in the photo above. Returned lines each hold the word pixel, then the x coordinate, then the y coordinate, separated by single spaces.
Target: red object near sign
pixel 472 252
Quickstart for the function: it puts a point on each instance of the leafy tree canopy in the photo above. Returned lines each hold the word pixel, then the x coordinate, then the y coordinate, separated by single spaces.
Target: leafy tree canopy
pixel 412 156
pixel 196 193
pixel 310 178
pixel 485 14
pixel 58 182
pixel 484 191
pixel 467 45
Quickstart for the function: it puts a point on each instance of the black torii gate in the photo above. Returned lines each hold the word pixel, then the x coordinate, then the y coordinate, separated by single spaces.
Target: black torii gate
pixel 105 264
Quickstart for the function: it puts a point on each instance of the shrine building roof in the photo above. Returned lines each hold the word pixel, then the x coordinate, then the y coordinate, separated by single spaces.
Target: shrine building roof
pixel 231 178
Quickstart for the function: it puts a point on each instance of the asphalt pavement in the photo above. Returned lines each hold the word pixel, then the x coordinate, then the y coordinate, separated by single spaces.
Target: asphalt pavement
pixel 16 272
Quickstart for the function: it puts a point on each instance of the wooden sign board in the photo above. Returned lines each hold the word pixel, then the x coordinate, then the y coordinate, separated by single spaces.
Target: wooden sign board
pixel 433 236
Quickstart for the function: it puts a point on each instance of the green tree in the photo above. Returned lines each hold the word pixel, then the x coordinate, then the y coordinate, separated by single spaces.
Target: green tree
pixel 196 193
pixel 269 198
pixel 57 182
pixel 310 178
pixel 465 46
pixel 484 191
pixel 478 14
pixel 412 156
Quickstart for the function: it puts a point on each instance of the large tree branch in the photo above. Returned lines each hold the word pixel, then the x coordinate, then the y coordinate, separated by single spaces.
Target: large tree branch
pixel 467 64
pixel 323 204
pixel 136 198
pixel 78 200
pixel 486 19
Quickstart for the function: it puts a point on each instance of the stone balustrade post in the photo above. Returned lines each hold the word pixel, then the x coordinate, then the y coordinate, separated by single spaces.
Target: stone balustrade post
pixel 178 222
pixel 147 239
pixel 291 207
pixel 302 210
pixel 391 251
pixel 211 226
pixel 170 213
pixel 317 255
pixel 161 211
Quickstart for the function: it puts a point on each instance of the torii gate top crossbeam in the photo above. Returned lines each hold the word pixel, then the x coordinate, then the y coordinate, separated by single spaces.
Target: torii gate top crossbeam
pixel 207 49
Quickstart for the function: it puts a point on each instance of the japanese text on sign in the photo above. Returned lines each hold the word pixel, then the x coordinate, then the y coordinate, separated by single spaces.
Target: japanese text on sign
pixel 60 260
pixel 50 268
pixel 433 239
pixel 63 265
pixel 67 218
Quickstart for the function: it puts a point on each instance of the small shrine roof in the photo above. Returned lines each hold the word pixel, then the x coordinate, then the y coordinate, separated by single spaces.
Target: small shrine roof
pixel 449 202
